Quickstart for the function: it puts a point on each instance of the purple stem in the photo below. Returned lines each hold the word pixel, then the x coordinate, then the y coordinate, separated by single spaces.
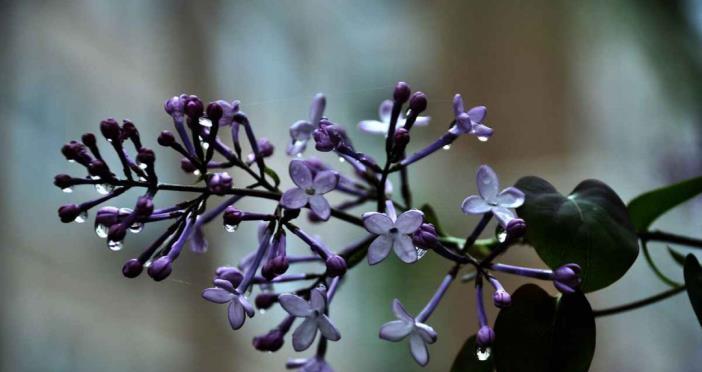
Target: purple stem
pixel 314 245
pixel 260 252
pixel 332 289
pixel 482 316
pixel 174 252
pixel 434 302
pixel 444 140
pixel 522 271
pixel 178 122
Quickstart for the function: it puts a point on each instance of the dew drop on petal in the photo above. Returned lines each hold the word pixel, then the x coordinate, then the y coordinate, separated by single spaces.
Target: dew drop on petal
pixel 67 190
pixel 103 188
pixel 114 246
pixel 230 228
pixel 447 147
pixel 483 354
pixel 483 138
pixel 420 252
pixel 101 231
pixel 136 227
pixel 82 217
pixel 205 122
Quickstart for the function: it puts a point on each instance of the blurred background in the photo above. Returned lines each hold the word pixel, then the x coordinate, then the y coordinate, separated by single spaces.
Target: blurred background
pixel 575 90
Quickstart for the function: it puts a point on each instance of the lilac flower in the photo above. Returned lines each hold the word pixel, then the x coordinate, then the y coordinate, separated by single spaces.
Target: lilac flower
pixel 314 364
pixel 419 333
pixel 309 189
pixel 490 200
pixel 471 121
pixel 393 233
pixel 223 293
pixel 567 278
pixel 301 131
pixel 384 112
pixel 313 312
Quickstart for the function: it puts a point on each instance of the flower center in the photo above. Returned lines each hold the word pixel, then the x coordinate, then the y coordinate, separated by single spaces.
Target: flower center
pixel 393 230
pixel 309 191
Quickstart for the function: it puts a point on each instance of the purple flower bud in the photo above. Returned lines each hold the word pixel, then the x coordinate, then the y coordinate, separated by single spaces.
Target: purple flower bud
pixel 267 270
pixel 425 237
pixel 231 274
pixel 279 264
pixel 110 129
pixel 166 139
pixel 132 268
pixel 89 139
pixel 98 168
pixel 516 228
pixel 265 300
pixel 129 130
pixel 271 341
pixel 325 139
pixel 418 102
pixel 501 299
pixel 174 105
pixel 194 107
pixel 233 216
pixel 69 212
pixel 116 233
pixel 214 112
pixel 336 265
pixel 144 207
pixel 402 138
pixel 265 147
pixel 107 216
pixel 402 92
pixel 63 181
pixel 485 337
pixel 567 278
pixel 146 156
pixel 72 150
pixel 219 183
pixel 187 166
pixel 161 268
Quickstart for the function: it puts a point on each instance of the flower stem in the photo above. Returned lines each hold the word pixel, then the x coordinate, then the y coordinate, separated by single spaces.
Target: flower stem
pixel 640 303
pixel 661 236
pixel 434 302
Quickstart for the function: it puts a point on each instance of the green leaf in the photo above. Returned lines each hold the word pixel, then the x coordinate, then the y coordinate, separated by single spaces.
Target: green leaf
pixel 431 217
pixel 467 359
pixel 590 227
pixel 693 282
pixel 677 256
pixel 272 174
pixel 646 208
pixel 541 333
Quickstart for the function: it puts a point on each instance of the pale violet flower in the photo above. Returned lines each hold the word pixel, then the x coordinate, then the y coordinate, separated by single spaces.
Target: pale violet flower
pixel 310 189
pixel 301 131
pixel 314 364
pixel 383 125
pixel 313 313
pixel 405 326
pixel 393 233
pixel 491 199
pixel 239 307
pixel 471 121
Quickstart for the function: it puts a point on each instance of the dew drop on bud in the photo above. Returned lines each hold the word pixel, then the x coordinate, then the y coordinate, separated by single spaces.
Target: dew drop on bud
pixel 142 179
pixel 483 354
pixel 82 217
pixel 447 147
pixel 262 311
pixel 197 172
pixel 125 211
pixel 136 227
pixel 205 145
pixel 230 228
pixel 420 252
pixel 103 188
pixel 341 160
pixel 147 264
pixel 67 190
pixel 72 161
pixel 482 138
pixel 114 246
pixel 101 231
pixel 142 165
pixel 502 236
pixel 205 122
pixel 299 155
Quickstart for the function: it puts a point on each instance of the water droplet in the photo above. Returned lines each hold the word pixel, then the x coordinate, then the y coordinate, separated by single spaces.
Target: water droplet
pixel 299 155
pixel 483 138
pixel 114 246
pixel 125 211
pixel 205 122
pixel 147 264
pixel 447 147
pixel 502 236
pixel 142 179
pixel 205 145
pixel 262 311
pixel 82 217
pixel 341 160
pixel 136 227
pixel 67 190
pixel 420 253
pixel 71 161
pixel 103 188
pixel 197 172
pixel 483 354
pixel 101 231
pixel 94 177
pixel 142 165
pixel 231 228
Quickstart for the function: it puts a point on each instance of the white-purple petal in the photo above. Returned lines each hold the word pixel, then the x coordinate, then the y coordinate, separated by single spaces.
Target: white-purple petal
pixel 304 334
pixel 247 306
pixel 488 184
pixel 373 126
pixel 422 121
pixel 474 204
pixel 477 114
pixel 327 328
pixel 481 130
pixel 400 312
pixel 318 300
pixel 325 181
pixel 377 223
pixel 426 332
pixel 395 330
pixel 510 197
pixel 301 130
pixel 319 102
pixel 404 249
pixel 198 243
pixel 458 105
pixel 225 285
pixel 419 349
pixel 409 221
pixel 503 215
pixel 294 198
pixel 296 147
pixel 236 315
pixel 320 207
pixel 300 174
pixel 217 295
pixel 295 305
pixel 385 111
pixel 379 249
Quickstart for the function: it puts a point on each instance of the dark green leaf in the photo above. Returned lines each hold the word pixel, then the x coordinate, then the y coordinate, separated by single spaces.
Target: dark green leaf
pixel 647 207
pixel 431 217
pixel 541 333
pixel 677 256
pixel 590 227
pixel 272 174
pixel 693 282
pixel 467 359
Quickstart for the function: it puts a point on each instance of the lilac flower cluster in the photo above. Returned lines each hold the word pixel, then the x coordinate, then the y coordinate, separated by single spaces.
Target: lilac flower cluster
pixel 210 138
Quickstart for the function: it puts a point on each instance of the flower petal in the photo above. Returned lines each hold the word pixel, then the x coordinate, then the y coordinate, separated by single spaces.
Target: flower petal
pixel 327 328
pixel 301 130
pixel 296 147
pixel 373 126
pixel 319 102
pixel 422 121
pixel 217 295
pixel 320 206
pixel 503 215
pixel 404 249
pixel 488 183
pixel 409 221
pixel 294 198
pixel 236 315
pixel 318 300
pixel 481 130
pixel 427 333
pixel 300 174
pixel 477 113
pixel 304 334
pixel 395 330
pixel 400 312
pixel 419 349
pixel 377 223
pixel 294 305
pixel 379 249
pixel 385 111
pixel 510 197
pixel 458 105
pixel 198 243
pixel 325 181
pixel 246 305
pixel 224 284
pixel 474 204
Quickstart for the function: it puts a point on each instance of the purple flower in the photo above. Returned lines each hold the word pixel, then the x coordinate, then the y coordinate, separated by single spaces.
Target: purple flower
pixel 219 183
pixel 309 189
pixel 301 131
pixel 383 125
pixel 419 334
pixel 567 278
pixel 490 200
pixel 471 121
pixel 223 293
pixel 313 312
pixel 393 233
pixel 314 364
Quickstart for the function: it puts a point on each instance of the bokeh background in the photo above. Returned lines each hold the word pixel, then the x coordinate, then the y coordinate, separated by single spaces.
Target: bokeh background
pixel 575 90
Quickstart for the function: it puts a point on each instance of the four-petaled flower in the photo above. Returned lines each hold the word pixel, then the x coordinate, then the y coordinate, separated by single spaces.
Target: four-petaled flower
pixel 383 125
pixel 490 200
pixel 309 189
pixel 393 233
pixel 301 131
pixel 313 312
pixel 419 333
pixel 239 307
pixel 471 121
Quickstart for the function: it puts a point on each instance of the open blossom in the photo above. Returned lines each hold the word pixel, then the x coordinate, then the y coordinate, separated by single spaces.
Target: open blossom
pixel 313 312
pixel 393 233
pixel 239 307
pixel 405 326
pixel 310 189
pixel 383 125
pixel 301 131
pixel 471 121
pixel 314 364
pixel 491 199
